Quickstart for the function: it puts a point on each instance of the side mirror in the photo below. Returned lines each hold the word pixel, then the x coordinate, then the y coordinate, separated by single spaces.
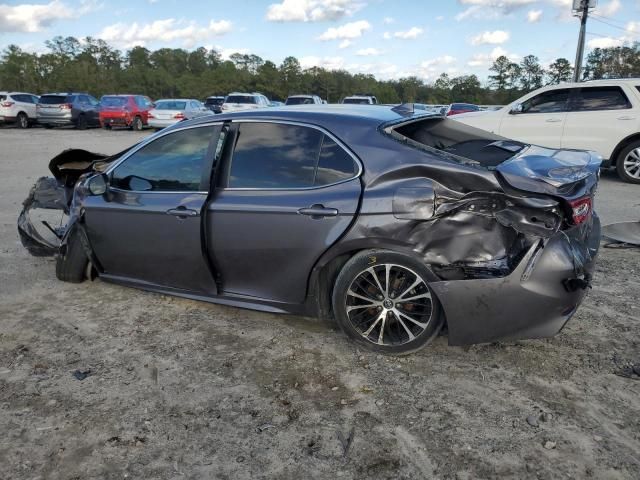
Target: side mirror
pixel 98 184
pixel 517 108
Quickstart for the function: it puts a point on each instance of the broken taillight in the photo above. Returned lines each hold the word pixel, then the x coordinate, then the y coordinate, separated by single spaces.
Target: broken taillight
pixel 581 209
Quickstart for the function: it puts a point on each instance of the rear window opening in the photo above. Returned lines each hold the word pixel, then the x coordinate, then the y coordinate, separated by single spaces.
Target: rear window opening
pixel 455 138
pixel 53 99
pixel 114 101
pixel 171 105
pixel 241 99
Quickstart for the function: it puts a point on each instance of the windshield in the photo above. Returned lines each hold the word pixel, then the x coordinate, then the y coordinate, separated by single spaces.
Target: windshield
pixel 113 101
pixel 241 99
pixel 299 101
pixel 171 105
pixel 52 99
pixel 357 101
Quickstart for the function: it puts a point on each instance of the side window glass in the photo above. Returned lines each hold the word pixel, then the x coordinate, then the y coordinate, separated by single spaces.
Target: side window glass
pixel 547 102
pixel 272 155
pixel 601 98
pixel 334 165
pixel 173 162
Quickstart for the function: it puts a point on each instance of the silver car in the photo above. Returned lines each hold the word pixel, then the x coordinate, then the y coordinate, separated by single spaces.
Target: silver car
pixel 166 112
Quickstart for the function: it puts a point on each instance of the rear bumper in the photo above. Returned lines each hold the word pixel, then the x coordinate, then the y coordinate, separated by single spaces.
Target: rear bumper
pixel 7 118
pixel 67 120
pixel 535 301
pixel 157 123
pixel 116 121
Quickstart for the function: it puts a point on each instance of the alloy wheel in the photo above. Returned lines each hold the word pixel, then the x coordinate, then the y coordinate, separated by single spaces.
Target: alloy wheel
pixel 632 163
pixel 389 304
pixel 23 121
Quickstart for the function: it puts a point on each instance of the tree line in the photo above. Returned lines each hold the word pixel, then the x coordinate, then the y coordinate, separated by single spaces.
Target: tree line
pixel 94 66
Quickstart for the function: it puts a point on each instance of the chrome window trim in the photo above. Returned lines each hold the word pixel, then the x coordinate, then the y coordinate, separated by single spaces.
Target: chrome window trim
pixel 298 124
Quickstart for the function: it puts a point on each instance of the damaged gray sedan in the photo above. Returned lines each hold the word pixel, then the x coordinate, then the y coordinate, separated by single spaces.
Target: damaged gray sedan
pixel 394 224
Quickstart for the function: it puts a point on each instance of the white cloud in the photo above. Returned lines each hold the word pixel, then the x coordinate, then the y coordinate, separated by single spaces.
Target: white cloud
pixel 32 18
pixel 345 44
pixel 497 37
pixel 388 20
pixel 167 30
pixel 490 9
pixel 411 34
pixel 534 16
pixel 312 10
pixel 330 63
pixel 608 9
pixel 604 42
pixel 486 59
pixel 348 30
pixel 369 52
pixel 225 53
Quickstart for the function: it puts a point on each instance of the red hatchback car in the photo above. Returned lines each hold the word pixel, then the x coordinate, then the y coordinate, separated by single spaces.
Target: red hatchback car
pixel 130 111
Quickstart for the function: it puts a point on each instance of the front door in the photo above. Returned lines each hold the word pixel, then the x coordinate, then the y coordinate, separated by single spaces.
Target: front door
pixel 147 227
pixel 541 121
pixel 287 193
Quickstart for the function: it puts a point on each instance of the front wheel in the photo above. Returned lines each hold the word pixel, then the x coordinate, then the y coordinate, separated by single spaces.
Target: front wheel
pixel 71 262
pixel 23 120
pixel 382 301
pixel 628 163
pixel 81 123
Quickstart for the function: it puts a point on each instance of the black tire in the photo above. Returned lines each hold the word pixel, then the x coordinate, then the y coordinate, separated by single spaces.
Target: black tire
pixel 48 126
pixel 22 121
pixel 71 262
pixel 405 334
pixel 629 172
pixel 137 124
pixel 81 122
pixel 107 127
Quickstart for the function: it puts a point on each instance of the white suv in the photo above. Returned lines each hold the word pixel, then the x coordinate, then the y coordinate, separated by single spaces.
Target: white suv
pixel 19 108
pixel 244 101
pixel 303 100
pixel 599 115
pixel 361 100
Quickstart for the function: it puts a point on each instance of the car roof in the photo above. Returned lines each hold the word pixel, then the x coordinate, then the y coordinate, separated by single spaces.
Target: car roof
pixel 337 118
pixel 177 100
pixel 303 95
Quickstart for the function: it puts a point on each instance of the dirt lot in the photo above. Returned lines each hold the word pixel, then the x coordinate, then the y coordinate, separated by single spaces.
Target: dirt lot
pixel 179 389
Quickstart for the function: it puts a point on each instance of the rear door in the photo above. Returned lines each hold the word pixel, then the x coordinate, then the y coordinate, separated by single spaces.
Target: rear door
pixel 147 228
pixel 541 121
pixel 287 193
pixel 599 118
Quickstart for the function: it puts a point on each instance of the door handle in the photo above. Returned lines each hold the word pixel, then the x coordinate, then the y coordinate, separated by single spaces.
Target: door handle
pixel 626 117
pixel 182 212
pixel 318 211
pixel 553 120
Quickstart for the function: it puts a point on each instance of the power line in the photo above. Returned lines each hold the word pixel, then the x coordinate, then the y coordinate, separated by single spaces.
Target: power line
pixel 624 29
pixel 608 18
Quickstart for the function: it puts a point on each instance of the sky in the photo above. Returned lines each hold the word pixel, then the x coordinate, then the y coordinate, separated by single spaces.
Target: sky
pixel 386 38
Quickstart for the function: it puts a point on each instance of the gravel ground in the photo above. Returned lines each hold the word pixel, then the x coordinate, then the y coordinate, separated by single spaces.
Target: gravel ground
pixel 178 389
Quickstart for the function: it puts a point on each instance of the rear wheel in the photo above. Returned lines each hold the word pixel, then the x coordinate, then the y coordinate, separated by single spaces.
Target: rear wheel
pixel 136 125
pixel 382 300
pixel 106 127
pixel 628 163
pixel 81 123
pixel 71 262
pixel 22 120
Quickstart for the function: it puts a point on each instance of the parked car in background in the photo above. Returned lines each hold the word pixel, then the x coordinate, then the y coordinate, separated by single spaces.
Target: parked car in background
pixel 169 111
pixel 276 103
pixel 244 101
pixel 458 108
pixel 360 100
pixel 18 108
pixel 303 100
pixel 390 222
pixel 214 103
pixel 131 111
pixel 60 109
pixel 599 115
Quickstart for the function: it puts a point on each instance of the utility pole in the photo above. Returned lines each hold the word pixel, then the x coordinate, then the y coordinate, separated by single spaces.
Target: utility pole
pixel 584 6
